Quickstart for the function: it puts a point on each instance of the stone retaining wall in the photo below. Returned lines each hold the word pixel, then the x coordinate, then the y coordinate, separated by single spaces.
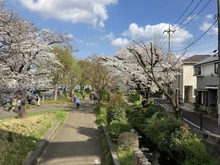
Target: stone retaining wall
pixel 139 158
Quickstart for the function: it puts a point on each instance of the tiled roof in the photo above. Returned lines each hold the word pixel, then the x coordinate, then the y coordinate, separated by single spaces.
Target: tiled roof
pixel 196 58
pixel 207 60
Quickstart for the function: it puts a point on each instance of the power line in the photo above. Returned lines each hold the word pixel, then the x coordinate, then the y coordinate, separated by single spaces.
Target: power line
pixel 204 48
pixel 193 47
pixel 184 12
pixel 189 14
pixel 195 15
pixel 173 24
pixel 160 40
pixel 197 38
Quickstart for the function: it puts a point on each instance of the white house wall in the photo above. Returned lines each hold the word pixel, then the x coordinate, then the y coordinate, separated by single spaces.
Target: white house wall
pixel 207 69
pixel 189 80
pixel 186 79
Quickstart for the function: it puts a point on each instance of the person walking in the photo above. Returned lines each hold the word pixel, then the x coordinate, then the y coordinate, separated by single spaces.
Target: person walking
pixel 19 103
pixel 14 104
pixel 38 99
pixel 74 98
pixel 22 111
pixel 91 95
pixel 29 98
pixel 77 103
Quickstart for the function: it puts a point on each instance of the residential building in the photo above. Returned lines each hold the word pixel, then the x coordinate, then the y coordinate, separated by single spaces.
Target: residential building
pixel 187 82
pixel 206 72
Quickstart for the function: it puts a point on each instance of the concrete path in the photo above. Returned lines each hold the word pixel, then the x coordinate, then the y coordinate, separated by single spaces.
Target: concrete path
pixel 78 142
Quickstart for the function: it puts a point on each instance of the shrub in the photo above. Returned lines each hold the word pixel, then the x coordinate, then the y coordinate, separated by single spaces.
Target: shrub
pixel 214 112
pixel 137 102
pixel 116 109
pixel 125 156
pixel 115 128
pixel 151 110
pixel 101 113
pixel 133 97
pixel 127 141
pixel 172 137
pixel 195 153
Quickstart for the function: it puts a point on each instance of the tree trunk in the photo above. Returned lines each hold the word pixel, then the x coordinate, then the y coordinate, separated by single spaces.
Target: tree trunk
pixel 175 104
pixel 146 102
pixel 55 92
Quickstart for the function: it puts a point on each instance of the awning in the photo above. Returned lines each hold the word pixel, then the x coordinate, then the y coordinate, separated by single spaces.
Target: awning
pixel 211 86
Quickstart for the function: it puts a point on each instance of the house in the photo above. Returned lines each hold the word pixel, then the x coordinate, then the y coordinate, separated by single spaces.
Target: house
pixel 186 82
pixel 206 72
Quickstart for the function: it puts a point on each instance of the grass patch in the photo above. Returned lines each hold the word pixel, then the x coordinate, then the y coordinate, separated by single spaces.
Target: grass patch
pixel 125 157
pixel 60 100
pixel 19 137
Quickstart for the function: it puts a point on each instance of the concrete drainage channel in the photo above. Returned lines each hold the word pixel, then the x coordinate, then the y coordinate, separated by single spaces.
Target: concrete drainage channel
pixel 32 158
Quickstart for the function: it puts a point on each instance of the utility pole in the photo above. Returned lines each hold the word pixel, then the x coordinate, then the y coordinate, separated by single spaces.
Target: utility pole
pixel 218 4
pixel 168 31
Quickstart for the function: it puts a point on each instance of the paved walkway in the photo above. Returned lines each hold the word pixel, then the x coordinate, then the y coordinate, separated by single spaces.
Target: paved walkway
pixel 78 142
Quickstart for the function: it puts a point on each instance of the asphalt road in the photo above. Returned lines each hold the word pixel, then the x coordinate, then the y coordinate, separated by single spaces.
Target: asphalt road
pixel 195 120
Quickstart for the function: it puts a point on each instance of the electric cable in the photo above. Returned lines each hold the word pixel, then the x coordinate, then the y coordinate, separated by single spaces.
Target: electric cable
pixel 189 14
pixel 197 38
pixel 183 13
pixel 195 15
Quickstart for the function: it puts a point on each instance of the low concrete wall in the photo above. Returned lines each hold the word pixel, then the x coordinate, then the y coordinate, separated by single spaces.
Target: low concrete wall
pixel 32 158
pixel 111 147
pixel 212 143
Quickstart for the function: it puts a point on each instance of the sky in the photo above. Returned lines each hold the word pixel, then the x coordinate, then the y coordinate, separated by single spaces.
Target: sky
pixel 106 26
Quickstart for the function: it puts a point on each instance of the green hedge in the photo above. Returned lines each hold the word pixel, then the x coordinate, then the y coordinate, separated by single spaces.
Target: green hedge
pixel 171 136
pixel 115 128
pixel 116 109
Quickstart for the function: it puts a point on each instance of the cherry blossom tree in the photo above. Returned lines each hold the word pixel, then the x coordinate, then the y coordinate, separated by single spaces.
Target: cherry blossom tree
pixel 25 54
pixel 149 68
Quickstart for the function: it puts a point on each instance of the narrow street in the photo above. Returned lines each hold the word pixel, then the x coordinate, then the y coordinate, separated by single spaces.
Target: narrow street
pixel 193 119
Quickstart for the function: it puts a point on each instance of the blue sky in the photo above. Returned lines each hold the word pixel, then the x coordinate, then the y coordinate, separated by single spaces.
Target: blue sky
pixel 105 26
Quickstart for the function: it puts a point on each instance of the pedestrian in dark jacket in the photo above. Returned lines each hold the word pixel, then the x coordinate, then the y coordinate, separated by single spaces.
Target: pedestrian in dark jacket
pixel 77 103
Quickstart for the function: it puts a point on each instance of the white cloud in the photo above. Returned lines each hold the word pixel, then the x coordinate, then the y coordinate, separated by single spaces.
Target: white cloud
pixel 120 42
pixel 191 18
pixel 92 44
pixel 109 36
pixel 85 11
pixel 156 33
pixel 205 26
pixel 78 41
pixel 209 16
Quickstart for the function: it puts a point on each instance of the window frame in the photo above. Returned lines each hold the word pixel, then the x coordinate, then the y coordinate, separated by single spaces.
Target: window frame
pixel 197 70
pixel 216 68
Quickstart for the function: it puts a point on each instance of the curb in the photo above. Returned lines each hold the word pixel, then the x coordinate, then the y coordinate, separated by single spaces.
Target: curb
pixel 111 147
pixel 32 158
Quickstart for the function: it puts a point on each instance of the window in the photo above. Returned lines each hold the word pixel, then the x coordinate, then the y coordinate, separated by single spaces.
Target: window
pixel 216 68
pixel 197 70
